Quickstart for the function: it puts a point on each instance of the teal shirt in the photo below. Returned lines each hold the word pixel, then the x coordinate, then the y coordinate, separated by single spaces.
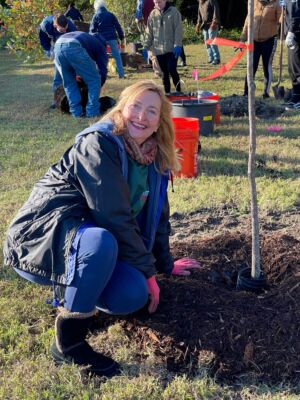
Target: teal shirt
pixel 138 185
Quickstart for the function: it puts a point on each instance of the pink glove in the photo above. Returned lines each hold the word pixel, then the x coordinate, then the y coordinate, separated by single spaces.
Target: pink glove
pixel 153 291
pixel 182 266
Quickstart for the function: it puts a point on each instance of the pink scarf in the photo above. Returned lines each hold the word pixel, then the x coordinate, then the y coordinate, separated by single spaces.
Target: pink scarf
pixel 145 153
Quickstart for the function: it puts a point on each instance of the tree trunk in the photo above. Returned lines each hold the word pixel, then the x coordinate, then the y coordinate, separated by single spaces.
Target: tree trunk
pixel 255 262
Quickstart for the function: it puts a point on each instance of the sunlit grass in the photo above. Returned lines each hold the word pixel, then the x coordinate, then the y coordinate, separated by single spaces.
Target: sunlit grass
pixel 32 137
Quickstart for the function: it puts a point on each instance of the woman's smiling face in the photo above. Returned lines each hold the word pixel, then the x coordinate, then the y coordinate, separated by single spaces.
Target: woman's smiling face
pixel 142 115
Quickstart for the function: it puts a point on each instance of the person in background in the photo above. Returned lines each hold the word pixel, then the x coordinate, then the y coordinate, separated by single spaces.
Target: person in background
pixel 164 37
pixel 73 13
pixel 209 22
pixel 267 14
pixel 51 28
pixel 292 41
pixel 107 25
pixel 97 223
pixel 143 10
pixel 78 54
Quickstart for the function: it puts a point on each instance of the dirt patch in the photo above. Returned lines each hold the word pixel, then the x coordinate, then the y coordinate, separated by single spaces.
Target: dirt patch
pixel 203 321
pixel 237 106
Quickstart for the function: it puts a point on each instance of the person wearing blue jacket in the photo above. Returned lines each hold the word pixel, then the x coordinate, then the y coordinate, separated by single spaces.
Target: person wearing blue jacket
pixel 51 28
pixel 81 54
pixel 107 25
pixel 73 13
pixel 97 223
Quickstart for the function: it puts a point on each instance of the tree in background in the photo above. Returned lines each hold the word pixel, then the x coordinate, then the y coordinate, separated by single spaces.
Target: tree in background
pixel 22 20
pixel 125 12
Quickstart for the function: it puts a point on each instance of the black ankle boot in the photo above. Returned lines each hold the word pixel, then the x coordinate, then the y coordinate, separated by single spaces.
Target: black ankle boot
pixel 70 345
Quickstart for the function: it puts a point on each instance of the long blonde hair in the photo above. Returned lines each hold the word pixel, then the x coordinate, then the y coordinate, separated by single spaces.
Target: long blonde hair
pixel 166 154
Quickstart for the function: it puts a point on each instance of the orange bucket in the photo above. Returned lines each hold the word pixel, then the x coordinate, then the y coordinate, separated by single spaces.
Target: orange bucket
pixel 186 143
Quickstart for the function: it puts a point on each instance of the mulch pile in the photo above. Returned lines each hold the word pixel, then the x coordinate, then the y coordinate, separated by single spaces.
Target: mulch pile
pixel 237 106
pixel 203 321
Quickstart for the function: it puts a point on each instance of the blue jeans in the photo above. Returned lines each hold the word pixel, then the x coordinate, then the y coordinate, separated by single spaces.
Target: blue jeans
pixel 57 79
pixel 113 44
pixel 72 59
pixel 212 50
pixel 100 279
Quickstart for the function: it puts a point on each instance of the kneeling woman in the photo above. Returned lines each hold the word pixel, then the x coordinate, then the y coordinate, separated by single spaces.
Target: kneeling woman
pixel 97 223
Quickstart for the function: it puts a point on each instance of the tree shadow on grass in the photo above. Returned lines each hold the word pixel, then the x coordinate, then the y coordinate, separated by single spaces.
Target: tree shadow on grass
pixel 231 126
pixel 231 162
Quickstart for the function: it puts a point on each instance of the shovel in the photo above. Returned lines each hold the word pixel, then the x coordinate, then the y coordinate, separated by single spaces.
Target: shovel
pixel 279 90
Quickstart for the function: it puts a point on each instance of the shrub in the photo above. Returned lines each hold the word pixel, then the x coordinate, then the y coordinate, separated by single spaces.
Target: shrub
pixel 22 20
pixel 125 12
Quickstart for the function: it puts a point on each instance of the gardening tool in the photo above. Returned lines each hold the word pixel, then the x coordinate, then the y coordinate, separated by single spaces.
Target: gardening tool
pixel 279 90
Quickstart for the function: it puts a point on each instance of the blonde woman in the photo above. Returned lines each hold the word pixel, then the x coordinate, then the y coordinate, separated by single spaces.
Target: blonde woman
pixel 97 223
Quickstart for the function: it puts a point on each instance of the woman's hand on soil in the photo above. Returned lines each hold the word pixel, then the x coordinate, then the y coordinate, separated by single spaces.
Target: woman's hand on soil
pixel 153 290
pixel 183 265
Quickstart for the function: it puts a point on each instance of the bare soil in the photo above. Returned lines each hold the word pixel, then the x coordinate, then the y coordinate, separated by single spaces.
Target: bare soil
pixel 237 106
pixel 204 321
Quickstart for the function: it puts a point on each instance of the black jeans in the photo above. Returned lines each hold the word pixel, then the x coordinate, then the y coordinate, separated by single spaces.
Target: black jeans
pixel 168 66
pixel 266 50
pixel 294 68
pixel 182 55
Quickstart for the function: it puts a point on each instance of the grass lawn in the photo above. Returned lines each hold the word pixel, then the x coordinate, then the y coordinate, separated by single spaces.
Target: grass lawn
pixel 32 137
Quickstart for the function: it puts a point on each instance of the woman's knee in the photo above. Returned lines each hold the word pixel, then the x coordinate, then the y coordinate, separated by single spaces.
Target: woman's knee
pixel 98 242
pixel 125 293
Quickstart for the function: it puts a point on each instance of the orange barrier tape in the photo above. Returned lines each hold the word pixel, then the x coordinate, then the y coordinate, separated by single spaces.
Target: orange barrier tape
pixel 231 63
pixel 226 67
pixel 232 43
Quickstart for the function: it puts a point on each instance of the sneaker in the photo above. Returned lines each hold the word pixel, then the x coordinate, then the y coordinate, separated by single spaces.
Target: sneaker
pixel 296 106
pixel 53 106
pixel 84 355
pixel 265 96
pixel 216 62
pixel 291 106
pixel 209 61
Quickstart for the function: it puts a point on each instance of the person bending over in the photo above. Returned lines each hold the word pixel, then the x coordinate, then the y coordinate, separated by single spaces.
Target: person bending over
pixel 51 28
pixel 81 54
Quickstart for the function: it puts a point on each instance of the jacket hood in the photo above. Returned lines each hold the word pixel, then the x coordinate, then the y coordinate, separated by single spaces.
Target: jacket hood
pixel 104 127
pixel 168 5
